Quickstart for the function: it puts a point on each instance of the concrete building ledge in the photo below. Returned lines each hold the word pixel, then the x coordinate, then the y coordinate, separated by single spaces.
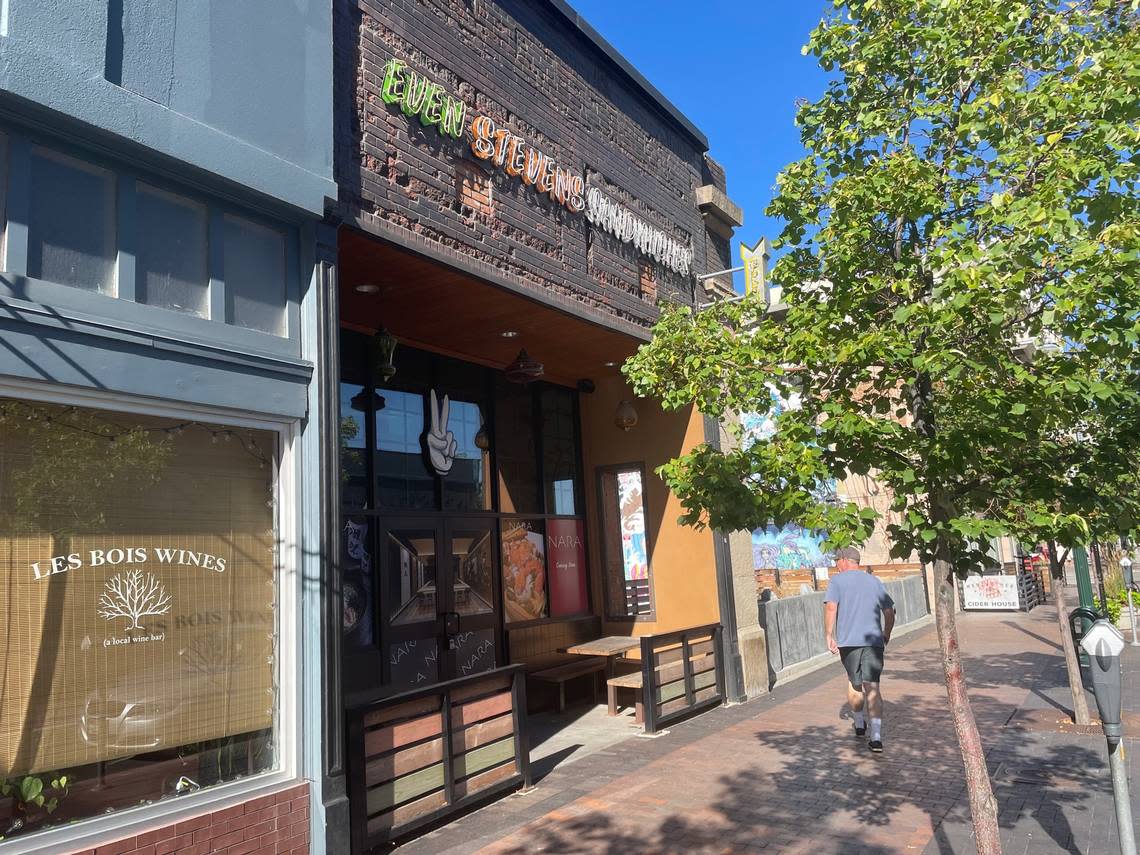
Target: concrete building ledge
pixel 721 213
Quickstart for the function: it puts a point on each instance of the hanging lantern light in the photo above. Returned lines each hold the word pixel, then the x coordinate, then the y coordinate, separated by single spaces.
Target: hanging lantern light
pixel 626 416
pixel 364 402
pixel 524 369
pixel 483 439
pixel 383 349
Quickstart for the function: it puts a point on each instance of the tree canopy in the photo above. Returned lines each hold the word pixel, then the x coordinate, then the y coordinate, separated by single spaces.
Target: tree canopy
pixel 959 268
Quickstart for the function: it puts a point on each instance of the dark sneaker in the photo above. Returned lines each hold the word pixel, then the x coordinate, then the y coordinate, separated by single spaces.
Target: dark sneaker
pixel 860 731
pixel 876 746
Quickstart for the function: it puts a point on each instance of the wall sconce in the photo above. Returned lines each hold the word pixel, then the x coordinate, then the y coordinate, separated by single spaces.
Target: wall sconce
pixel 626 416
pixel 383 349
pixel 482 439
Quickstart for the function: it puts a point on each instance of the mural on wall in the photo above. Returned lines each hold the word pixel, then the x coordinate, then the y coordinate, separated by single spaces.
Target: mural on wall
pixel 787 547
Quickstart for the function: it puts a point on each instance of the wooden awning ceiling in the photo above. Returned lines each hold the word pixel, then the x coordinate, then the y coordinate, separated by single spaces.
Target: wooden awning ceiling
pixel 428 305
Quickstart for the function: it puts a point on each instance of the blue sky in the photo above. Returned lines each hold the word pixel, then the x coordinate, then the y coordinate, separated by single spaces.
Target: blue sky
pixel 734 68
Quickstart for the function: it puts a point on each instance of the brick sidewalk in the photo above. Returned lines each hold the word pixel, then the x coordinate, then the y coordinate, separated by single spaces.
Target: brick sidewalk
pixel 785 774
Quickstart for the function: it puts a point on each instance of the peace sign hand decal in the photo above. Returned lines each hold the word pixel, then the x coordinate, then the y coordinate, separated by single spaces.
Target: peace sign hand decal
pixel 440 441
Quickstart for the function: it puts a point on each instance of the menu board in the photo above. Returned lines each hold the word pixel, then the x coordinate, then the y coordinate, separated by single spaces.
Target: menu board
pixel 524 570
pixel 566 567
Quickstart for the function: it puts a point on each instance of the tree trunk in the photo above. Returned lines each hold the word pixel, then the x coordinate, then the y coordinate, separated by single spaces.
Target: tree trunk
pixel 983 805
pixel 1072 665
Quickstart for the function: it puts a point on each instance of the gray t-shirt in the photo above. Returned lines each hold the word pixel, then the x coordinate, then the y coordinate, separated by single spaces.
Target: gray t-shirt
pixel 861 599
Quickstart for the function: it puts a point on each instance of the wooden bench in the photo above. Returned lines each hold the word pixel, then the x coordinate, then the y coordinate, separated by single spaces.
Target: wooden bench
pixel 631 682
pixel 560 675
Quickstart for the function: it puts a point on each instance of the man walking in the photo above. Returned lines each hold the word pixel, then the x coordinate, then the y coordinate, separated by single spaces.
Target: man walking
pixel 859 615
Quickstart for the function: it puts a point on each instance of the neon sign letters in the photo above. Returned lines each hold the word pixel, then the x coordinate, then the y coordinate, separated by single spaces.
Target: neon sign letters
pixel 421 97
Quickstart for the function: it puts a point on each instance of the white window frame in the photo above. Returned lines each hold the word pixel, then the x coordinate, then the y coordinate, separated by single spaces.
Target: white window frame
pixel 106 828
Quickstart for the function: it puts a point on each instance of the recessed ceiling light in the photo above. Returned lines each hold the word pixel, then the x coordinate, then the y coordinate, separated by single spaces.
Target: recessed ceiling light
pixel 509 334
pixel 610 364
pixel 368 289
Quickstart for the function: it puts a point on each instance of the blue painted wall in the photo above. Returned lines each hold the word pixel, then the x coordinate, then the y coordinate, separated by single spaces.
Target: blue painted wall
pixel 239 88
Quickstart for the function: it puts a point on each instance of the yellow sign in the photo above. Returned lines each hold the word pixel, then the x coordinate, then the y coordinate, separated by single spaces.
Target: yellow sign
pixel 756 266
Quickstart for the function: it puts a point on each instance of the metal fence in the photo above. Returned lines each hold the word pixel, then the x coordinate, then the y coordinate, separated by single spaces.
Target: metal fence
pixel 793 626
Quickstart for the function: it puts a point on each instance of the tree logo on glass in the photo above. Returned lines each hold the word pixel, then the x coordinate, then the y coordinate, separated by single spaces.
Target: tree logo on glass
pixel 133 596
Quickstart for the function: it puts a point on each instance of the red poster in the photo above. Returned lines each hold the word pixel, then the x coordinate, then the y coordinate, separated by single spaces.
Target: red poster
pixel 566 568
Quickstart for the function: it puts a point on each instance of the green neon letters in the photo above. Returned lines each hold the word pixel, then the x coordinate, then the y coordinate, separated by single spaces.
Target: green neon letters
pixel 419 96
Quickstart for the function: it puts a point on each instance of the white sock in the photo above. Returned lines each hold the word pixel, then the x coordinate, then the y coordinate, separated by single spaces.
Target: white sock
pixel 877 729
pixel 859 720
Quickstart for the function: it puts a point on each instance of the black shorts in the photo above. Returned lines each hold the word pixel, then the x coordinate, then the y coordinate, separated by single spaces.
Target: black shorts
pixel 862 664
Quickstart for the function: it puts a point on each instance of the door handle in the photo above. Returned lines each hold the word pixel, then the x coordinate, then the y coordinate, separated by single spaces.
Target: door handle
pixel 451 623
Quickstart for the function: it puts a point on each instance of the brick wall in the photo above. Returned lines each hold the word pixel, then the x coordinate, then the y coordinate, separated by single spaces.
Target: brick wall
pixel 275 824
pixel 519 62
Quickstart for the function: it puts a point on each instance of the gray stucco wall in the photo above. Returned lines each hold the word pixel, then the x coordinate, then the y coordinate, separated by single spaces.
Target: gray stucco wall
pixel 794 625
pixel 242 90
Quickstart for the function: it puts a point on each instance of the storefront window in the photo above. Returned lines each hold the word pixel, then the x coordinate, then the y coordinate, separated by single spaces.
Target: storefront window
pixel 357 599
pixel 629 583
pixel 559 451
pixel 524 570
pixel 403 479
pixel 139 565
pixel 516 450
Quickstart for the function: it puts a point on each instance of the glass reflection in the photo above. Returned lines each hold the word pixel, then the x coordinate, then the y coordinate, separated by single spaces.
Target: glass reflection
pixel 466 486
pixel 474 652
pixel 471 557
pixel 411 576
pixel 403 479
pixel 353 468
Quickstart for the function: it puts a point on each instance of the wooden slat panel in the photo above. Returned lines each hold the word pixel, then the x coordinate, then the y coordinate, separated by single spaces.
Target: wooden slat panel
pixel 481 687
pixel 406 813
pixel 402 734
pixel 707 662
pixel 389 766
pixel 676 689
pixel 408 710
pixel 473 711
pixel 474 784
pixel 386 796
pixel 676 670
pixel 682 703
pixel 676 654
pixel 482 733
pixel 465 765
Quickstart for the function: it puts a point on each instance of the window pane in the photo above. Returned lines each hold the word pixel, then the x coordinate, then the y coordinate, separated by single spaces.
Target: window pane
pixel 515 449
pixel 566 567
pixel 628 582
pixel 359 619
pixel 472 558
pixel 71 229
pixel 138 568
pixel 403 478
pixel 411 576
pixel 170 260
pixel 354 403
pixel 559 452
pixel 524 570
pixel 465 487
pixel 254 269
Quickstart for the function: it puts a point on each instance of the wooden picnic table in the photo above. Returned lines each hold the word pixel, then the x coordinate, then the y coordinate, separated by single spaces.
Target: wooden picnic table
pixel 610 646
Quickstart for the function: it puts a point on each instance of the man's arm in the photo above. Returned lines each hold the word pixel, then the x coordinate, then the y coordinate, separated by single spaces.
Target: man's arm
pixel 888 625
pixel 830 610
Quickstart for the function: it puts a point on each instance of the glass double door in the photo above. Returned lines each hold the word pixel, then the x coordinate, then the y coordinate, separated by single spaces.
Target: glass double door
pixel 439 593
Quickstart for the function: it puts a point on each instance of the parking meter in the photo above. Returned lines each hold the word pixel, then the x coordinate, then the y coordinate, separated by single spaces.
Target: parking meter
pixel 1126 570
pixel 1103 643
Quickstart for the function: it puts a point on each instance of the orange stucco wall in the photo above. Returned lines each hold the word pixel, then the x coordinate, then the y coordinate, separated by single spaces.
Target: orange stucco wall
pixel 681 558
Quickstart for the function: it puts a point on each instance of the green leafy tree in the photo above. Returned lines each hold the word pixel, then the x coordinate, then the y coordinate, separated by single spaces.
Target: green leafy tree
pixel 960 279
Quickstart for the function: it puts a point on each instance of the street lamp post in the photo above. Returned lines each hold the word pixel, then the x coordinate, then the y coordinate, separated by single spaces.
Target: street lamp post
pixel 1126 570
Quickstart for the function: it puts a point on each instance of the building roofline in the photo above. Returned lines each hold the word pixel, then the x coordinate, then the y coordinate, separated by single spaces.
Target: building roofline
pixel 636 77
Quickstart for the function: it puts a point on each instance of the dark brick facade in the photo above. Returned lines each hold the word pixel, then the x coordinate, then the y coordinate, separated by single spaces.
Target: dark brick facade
pixel 274 824
pixel 525 65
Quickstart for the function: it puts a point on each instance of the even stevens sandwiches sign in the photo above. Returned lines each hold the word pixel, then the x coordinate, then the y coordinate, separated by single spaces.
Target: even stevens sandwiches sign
pixel 418 96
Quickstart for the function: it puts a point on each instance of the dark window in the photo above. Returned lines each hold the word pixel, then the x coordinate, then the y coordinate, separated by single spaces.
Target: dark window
pixel 71 233
pixel 254 272
pixel 516 450
pixel 560 451
pixel 170 259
